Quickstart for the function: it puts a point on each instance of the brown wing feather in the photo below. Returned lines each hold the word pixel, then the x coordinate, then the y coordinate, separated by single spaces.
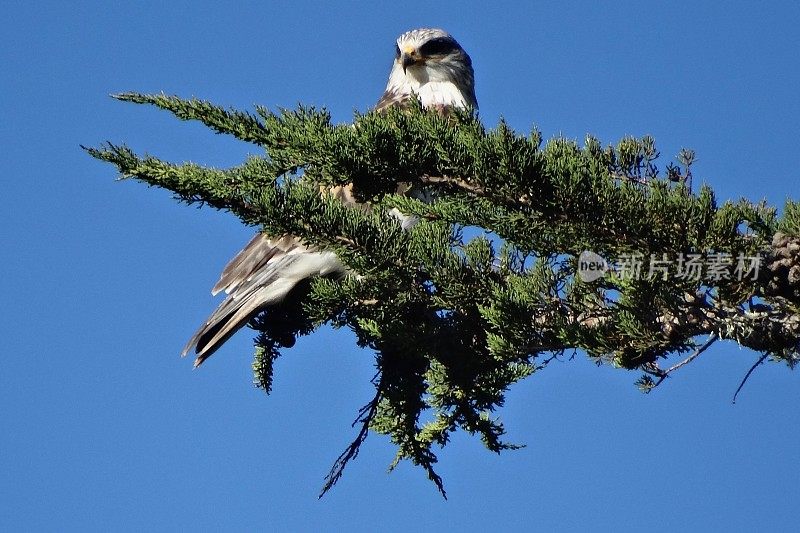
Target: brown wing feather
pixel 260 275
pixel 392 98
pixel 267 268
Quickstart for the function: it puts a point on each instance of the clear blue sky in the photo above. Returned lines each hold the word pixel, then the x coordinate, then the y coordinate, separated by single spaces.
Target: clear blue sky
pixel 104 427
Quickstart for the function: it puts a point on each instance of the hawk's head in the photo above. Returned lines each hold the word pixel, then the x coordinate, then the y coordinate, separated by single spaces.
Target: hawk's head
pixel 431 64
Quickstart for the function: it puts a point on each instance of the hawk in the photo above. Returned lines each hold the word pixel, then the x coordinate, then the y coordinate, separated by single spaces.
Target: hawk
pixel 428 64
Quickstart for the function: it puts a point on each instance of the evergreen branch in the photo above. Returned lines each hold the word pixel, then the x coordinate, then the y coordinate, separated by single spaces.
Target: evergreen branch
pixel 232 190
pixel 241 125
pixel 452 321
pixel 463 185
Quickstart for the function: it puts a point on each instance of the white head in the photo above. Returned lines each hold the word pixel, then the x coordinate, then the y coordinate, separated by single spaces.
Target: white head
pixel 431 64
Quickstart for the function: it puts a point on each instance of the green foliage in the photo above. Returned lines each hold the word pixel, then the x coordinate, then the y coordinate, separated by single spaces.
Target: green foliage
pixel 791 218
pixel 483 291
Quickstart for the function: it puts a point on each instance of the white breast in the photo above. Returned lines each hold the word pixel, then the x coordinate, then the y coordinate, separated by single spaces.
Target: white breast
pixel 437 93
pixel 432 86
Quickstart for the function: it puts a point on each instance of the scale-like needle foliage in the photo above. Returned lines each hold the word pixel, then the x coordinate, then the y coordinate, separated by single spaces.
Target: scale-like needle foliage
pixel 483 291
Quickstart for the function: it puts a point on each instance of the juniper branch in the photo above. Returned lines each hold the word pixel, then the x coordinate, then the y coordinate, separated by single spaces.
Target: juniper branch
pixel 454 322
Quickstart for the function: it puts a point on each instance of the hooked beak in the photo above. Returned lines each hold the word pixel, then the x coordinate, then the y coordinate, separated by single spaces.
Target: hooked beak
pixel 409 57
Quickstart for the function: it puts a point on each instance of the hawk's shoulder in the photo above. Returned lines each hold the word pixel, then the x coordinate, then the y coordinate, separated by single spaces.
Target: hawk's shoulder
pixel 392 98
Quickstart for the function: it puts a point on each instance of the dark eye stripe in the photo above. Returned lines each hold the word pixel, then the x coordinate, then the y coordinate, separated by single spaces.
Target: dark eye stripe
pixel 439 46
pixel 396 51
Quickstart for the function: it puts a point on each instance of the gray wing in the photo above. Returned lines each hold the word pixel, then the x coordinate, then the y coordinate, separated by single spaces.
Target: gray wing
pixel 267 269
pixel 260 275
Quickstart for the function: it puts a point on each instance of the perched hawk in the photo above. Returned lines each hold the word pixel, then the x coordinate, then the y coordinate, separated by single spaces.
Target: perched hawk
pixel 428 63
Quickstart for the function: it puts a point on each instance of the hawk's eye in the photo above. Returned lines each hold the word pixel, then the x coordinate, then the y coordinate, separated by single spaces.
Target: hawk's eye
pixel 437 47
pixel 396 51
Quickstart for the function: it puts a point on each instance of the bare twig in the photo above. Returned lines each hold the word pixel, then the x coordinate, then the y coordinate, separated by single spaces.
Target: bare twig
pixel 747 376
pixel 556 356
pixel 665 373
pixel 365 416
